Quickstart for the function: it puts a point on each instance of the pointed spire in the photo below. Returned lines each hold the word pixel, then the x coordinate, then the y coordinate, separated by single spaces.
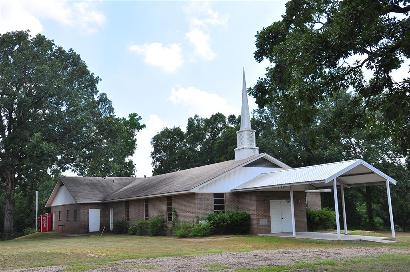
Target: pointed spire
pixel 245 137
pixel 245 117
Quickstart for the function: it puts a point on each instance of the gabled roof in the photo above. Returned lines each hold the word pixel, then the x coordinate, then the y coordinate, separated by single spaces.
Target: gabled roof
pixel 98 189
pixel 184 180
pixel 349 172
pixel 90 189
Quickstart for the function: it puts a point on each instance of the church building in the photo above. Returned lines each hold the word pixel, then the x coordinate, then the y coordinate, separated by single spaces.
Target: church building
pixel 274 194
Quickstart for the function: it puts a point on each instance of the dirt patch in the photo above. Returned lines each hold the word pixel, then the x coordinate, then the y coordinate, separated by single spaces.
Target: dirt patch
pixel 232 261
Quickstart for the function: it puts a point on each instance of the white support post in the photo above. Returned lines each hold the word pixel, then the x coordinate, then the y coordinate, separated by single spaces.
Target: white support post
pixel 36 210
pixel 342 191
pixel 292 208
pixel 336 209
pixel 393 232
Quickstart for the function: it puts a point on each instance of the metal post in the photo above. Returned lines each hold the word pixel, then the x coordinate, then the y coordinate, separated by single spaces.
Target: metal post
pixel 342 191
pixel 292 208
pixel 393 232
pixel 36 210
pixel 336 209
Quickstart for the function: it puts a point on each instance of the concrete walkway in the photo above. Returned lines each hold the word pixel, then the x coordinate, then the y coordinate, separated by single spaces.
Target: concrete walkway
pixel 333 237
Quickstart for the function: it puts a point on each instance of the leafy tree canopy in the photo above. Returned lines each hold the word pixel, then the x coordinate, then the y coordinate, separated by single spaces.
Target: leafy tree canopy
pixel 53 119
pixel 321 47
pixel 206 141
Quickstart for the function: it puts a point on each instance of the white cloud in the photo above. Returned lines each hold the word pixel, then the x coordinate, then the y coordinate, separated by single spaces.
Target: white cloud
pixel 201 102
pixel 142 155
pixel 29 14
pixel 201 17
pixel 168 58
pixel 200 40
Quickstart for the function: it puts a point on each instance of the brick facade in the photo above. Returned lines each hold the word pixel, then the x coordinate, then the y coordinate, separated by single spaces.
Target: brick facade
pixel 189 208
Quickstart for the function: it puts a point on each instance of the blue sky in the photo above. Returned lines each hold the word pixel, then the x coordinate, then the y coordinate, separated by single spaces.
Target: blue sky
pixel 165 61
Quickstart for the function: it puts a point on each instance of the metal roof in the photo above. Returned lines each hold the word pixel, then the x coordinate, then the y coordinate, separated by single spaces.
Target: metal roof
pixel 350 172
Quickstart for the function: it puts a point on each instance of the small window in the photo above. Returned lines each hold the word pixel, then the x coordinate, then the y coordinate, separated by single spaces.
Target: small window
pixel 127 211
pixel 67 215
pixel 75 215
pixel 219 202
pixel 146 215
pixel 169 208
pixel 59 215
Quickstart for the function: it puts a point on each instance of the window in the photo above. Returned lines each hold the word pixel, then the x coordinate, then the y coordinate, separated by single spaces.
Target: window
pixel 219 202
pixel 127 211
pixel 67 215
pixel 146 215
pixel 169 208
pixel 59 215
pixel 75 215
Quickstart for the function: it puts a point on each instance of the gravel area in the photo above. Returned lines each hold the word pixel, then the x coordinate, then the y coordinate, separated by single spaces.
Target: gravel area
pixel 232 261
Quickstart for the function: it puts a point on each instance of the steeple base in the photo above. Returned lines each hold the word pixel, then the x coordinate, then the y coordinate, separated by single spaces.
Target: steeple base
pixel 245 152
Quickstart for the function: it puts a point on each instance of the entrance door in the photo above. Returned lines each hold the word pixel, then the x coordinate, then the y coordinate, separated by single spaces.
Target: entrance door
pixel 93 220
pixel 281 216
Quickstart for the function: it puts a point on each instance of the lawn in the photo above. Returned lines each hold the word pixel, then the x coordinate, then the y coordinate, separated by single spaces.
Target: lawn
pixel 90 251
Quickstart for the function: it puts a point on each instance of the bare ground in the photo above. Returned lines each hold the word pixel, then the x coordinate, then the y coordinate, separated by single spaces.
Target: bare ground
pixel 232 261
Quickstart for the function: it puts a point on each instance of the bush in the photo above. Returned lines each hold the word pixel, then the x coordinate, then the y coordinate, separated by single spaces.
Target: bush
pixel 157 226
pixel 201 229
pixel 183 230
pixel 120 227
pixel 229 222
pixel 323 219
pixel 139 228
pixel 154 226
pixel 28 231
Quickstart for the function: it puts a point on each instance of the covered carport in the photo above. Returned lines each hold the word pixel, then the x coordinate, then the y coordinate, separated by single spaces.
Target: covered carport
pixel 344 174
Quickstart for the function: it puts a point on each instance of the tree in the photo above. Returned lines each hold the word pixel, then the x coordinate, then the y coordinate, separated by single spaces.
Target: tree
pixel 54 119
pixel 206 141
pixel 321 47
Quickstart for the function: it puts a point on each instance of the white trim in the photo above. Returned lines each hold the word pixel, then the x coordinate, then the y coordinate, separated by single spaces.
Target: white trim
pixel 393 232
pixel 336 208
pixel 342 192
pixel 292 210
pixel 365 164
pixel 111 219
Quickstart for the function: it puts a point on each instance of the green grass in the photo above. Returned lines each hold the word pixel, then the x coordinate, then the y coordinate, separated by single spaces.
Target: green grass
pixel 92 251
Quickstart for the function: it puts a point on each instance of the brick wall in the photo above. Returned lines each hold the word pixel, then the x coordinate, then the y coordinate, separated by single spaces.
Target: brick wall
pixel 68 225
pixel 313 200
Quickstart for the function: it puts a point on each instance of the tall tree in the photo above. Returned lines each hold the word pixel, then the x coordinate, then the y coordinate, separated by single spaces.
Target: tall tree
pixel 321 47
pixel 54 119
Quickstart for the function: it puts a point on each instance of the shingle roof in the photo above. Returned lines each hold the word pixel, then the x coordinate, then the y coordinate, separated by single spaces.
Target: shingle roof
pixel 315 173
pixel 98 189
pixel 180 181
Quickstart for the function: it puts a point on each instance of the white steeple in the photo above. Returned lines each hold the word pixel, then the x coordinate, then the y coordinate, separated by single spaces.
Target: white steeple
pixel 245 137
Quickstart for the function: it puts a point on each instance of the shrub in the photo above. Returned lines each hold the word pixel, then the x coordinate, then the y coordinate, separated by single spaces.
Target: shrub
pixel 28 231
pixel 120 227
pixel 201 229
pixel 154 226
pixel 229 222
pixel 157 226
pixel 320 219
pixel 183 230
pixel 139 228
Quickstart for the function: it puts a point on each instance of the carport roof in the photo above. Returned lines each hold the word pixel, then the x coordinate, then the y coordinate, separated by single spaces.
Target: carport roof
pixel 349 172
